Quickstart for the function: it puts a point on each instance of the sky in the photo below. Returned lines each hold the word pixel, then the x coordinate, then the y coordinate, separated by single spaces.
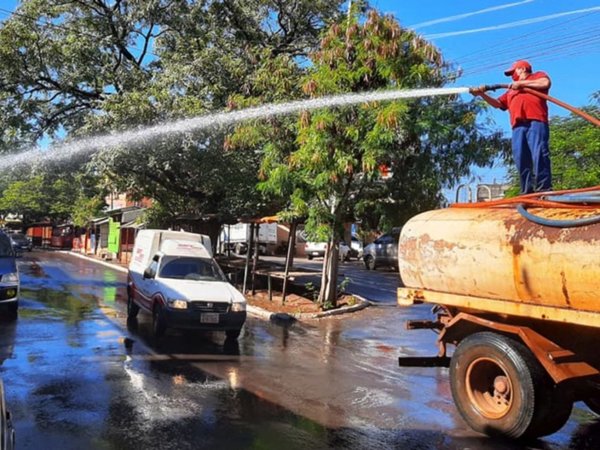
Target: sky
pixel 483 38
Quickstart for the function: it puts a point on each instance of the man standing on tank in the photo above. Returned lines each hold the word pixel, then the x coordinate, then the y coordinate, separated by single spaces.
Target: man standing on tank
pixel 529 122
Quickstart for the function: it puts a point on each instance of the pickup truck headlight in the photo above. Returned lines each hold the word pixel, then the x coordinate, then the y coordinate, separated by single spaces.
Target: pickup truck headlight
pixel 178 304
pixel 10 278
pixel 238 306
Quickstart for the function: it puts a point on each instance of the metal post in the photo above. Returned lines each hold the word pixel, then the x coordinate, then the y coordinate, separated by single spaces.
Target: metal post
pixel 247 266
pixel 255 258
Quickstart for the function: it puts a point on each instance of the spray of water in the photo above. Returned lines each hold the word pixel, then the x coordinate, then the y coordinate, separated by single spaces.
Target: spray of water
pixel 147 134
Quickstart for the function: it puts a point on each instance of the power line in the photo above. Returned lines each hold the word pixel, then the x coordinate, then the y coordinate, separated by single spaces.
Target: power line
pixel 540 35
pixel 561 47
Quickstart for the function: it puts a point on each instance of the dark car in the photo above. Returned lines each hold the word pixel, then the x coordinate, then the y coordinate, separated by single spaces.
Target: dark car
pixel 383 251
pixel 7 432
pixel 20 242
pixel 9 276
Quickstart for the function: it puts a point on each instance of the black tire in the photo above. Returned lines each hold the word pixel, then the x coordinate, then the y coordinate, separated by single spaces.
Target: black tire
pixel 159 325
pixel 132 308
pixel 500 389
pixel 554 413
pixel 309 257
pixel 13 309
pixel 370 263
pixel 233 334
pixel 593 403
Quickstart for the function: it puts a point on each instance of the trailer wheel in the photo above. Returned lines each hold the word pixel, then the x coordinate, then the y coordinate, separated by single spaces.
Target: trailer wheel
pixel 500 389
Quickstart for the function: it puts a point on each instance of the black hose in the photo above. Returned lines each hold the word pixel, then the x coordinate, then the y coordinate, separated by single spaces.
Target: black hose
pixel 584 198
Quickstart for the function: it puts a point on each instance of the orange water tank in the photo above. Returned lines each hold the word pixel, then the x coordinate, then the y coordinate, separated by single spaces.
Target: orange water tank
pixel 495 253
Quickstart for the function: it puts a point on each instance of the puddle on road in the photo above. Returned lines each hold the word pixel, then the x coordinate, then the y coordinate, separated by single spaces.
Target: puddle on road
pixel 64 304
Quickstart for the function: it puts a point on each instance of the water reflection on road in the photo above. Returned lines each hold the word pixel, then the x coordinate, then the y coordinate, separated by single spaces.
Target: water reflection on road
pixel 77 375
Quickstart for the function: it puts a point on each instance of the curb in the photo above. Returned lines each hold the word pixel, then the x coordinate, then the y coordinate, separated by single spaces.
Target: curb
pixel 272 316
pixel 255 310
pixel 104 263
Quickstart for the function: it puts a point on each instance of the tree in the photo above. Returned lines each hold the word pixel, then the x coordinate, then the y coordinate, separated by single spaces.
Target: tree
pixel 329 164
pixel 27 199
pixel 575 151
pixel 47 195
pixel 209 54
pixel 61 60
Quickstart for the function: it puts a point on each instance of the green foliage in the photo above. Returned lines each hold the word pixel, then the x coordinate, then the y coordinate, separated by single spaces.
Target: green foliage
pixel 25 198
pixel 51 195
pixel 86 209
pixel 575 152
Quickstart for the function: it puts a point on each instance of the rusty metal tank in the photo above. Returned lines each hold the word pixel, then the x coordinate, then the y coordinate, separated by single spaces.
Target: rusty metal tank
pixel 496 253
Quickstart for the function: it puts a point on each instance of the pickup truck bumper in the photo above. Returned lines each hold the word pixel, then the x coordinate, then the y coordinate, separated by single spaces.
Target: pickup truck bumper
pixel 196 320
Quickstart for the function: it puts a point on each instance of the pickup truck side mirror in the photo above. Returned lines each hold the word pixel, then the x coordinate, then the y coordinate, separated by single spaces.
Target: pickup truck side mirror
pixel 148 273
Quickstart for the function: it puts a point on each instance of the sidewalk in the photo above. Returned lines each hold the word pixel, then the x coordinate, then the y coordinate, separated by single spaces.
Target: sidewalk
pixel 272 313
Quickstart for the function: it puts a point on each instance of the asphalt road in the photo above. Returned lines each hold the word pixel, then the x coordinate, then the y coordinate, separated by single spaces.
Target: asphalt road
pixel 77 377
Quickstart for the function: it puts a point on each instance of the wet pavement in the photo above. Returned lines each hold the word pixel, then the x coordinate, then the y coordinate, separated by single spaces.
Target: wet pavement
pixel 77 376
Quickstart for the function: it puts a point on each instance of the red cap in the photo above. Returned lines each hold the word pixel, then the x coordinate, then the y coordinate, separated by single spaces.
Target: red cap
pixel 520 63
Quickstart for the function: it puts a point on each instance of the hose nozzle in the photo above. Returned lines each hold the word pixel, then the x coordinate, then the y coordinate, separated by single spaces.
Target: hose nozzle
pixel 486 87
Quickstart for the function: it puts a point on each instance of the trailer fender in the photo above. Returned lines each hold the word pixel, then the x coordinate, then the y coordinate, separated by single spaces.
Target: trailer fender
pixel 560 364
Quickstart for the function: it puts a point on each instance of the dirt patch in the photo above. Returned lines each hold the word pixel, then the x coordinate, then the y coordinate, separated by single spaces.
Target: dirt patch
pixel 294 303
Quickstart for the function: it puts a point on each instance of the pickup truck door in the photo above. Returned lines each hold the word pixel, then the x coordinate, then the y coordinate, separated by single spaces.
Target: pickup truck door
pixel 147 285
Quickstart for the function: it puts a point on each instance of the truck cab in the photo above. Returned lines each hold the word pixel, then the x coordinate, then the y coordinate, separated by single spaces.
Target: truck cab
pixel 174 277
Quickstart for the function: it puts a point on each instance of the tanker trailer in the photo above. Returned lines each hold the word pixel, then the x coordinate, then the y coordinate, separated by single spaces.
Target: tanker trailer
pixel 515 288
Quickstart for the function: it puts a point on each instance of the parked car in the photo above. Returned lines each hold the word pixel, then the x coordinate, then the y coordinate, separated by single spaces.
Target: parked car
pixel 383 251
pixel 20 242
pixel 9 276
pixel 7 431
pixel 317 250
pixel 356 248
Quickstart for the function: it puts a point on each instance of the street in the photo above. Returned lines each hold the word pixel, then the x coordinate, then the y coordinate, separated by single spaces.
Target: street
pixel 77 376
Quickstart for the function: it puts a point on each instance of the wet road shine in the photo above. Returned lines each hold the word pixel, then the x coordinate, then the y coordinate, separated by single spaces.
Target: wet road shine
pixel 78 376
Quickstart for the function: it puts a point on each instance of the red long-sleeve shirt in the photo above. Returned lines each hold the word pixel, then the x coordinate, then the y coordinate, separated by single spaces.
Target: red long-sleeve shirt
pixel 523 105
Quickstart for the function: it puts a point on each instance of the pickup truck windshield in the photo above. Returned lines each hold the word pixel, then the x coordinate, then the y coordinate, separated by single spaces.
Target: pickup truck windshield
pixel 187 268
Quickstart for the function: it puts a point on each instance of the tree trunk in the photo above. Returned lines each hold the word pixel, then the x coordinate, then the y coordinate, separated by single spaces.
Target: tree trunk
pixel 289 258
pixel 328 292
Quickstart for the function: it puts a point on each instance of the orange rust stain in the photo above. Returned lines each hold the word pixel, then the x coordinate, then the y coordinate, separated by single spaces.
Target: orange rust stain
pixel 385 348
pixel 564 287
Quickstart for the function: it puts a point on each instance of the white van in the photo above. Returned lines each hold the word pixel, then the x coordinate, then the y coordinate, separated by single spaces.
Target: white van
pixel 173 276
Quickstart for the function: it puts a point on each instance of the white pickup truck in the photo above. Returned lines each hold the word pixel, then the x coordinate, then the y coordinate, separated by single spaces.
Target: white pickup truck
pixel 174 277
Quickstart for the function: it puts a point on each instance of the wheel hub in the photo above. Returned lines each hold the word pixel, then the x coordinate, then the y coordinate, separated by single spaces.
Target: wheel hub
pixel 489 388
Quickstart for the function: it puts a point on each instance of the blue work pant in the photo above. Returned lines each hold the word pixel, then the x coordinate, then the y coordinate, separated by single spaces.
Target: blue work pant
pixel 532 155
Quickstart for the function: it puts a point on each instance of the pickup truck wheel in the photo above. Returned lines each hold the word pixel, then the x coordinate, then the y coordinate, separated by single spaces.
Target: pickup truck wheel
pixel 309 257
pixel 500 389
pixel 370 263
pixel 233 334
pixel 158 322
pixel 132 308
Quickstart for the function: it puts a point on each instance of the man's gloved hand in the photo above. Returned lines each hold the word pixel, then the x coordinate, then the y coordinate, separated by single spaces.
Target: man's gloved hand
pixel 478 90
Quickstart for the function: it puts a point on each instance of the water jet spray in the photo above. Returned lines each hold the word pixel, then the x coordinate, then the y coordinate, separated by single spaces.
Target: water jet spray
pixel 111 140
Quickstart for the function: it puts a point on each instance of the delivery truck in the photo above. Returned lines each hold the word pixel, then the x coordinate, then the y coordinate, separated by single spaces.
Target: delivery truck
pixel 173 276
